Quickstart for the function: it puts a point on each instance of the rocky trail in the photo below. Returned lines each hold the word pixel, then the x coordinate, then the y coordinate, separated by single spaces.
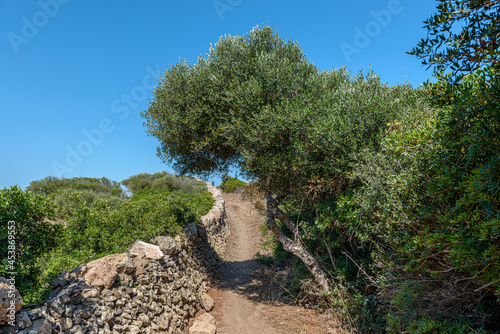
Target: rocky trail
pixel 246 300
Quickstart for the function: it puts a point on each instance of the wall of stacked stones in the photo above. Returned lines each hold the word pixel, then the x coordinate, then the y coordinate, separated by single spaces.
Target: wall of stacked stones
pixel 153 288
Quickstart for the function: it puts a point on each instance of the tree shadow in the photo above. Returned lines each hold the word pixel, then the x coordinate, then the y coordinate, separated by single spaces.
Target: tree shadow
pixel 252 281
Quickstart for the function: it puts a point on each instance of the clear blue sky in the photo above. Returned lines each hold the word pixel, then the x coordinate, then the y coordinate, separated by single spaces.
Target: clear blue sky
pixel 74 74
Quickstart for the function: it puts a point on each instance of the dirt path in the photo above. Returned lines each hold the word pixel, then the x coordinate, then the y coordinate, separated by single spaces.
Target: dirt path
pixel 242 300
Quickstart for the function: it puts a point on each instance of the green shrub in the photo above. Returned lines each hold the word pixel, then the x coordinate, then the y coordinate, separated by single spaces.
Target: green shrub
pixel 34 235
pixel 91 189
pixel 97 229
pixel 230 185
pixel 163 181
pixel 429 206
pixel 51 185
pixel 138 182
pixel 463 218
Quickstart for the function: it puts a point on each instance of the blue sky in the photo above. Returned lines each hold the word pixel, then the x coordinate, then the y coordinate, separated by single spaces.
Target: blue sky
pixel 75 75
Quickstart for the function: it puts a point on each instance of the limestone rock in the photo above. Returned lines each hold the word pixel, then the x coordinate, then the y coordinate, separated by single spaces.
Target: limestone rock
pixel 69 277
pixel 10 301
pixel 207 302
pixel 104 269
pixel 90 293
pixel 202 328
pixel 76 330
pixel 71 295
pixel 23 320
pixel 164 322
pixel 167 245
pixel 192 232
pixel 206 317
pixel 37 313
pixel 133 329
pixel 40 326
pixel 65 324
pixel 142 249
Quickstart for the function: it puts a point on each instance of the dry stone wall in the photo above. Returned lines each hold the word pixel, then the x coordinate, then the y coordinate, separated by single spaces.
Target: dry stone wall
pixel 153 288
pixel 214 222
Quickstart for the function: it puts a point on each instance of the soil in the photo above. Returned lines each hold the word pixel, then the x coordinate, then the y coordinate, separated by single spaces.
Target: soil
pixel 249 298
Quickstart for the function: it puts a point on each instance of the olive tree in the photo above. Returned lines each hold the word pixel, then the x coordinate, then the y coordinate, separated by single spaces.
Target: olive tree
pixel 257 104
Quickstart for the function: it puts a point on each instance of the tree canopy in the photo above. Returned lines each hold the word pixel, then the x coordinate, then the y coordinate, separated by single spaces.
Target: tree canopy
pixel 257 104
pixel 464 35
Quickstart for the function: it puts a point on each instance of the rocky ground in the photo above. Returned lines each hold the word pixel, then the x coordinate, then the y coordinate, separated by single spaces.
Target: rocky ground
pixel 248 297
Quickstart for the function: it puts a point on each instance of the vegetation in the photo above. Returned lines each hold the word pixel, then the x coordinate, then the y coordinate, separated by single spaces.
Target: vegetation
pixel 91 189
pixel 388 196
pixel 464 36
pixel 33 234
pixel 95 225
pixel 231 184
pixel 286 124
pixel 163 181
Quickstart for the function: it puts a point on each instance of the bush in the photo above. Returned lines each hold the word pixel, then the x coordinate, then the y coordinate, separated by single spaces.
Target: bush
pixel 51 185
pixel 428 206
pixel 231 184
pixel 97 229
pixel 163 181
pixel 34 235
pixel 91 189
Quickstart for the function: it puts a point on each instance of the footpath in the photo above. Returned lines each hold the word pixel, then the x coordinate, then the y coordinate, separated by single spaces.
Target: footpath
pixel 247 300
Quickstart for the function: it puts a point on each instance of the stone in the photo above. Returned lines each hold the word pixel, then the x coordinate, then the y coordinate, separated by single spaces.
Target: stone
pixel 104 269
pixel 133 329
pixel 85 312
pixel 41 326
pixel 142 249
pixel 140 265
pixel 202 328
pixel 207 302
pixel 167 245
pixel 65 324
pixel 56 307
pixel 206 317
pixel 143 320
pixel 10 301
pixel 23 320
pixel 76 330
pixel 106 313
pixel 192 233
pixel 97 283
pixel 37 313
pixel 125 267
pixel 116 293
pixel 69 277
pixel 163 322
pixel 90 293
pixel 12 330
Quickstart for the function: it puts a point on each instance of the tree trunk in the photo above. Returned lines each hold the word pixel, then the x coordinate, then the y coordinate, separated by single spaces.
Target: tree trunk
pixel 294 246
